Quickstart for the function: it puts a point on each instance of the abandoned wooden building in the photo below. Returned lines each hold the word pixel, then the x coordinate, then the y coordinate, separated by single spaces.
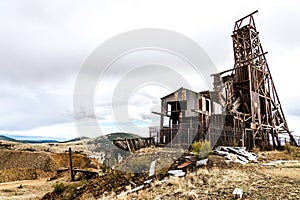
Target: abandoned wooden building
pixel 242 110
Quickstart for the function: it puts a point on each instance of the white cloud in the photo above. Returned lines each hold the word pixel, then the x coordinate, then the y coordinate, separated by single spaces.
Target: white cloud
pixel 44 43
pixel 66 131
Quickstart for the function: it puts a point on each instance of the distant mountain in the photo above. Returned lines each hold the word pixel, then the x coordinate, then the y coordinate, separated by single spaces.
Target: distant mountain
pixel 38 141
pixel 76 139
pixel 118 135
pixel 3 137
pixel 32 139
pixel 101 141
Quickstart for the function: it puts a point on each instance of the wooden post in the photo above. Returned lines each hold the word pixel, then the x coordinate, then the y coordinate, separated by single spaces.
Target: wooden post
pixel 188 139
pixel 158 140
pixel 71 166
pixel 128 145
pixel 172 136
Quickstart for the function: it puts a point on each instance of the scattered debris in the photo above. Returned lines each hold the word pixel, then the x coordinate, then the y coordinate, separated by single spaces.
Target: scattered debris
pixel 152 168
pixel 201 162
pixel 192 158
pixel 237 193
pixel 134 144
pixel 184 165
pixel 130 191
pixel 148 181
pixel 178 173
pixel 236 154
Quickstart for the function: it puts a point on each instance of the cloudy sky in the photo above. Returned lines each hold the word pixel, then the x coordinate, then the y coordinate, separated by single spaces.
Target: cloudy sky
pixel 45 43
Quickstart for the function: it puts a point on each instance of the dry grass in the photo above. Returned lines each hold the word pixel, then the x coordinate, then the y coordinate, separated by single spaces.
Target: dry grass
pixel 219 184
pixel 63 160
pixel 30 190
pixel 22 159
pixel 219 181
pixel 293 154
pixel 19 174
pixel 216 181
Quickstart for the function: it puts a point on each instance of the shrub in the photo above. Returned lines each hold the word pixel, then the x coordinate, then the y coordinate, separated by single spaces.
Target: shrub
pixel 128 176
pixel 288 147
pixel 202 148
pixel 59 187
pixel 196 146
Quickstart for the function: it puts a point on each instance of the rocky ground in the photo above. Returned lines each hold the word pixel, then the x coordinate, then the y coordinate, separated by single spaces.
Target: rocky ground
pixel 216 180
pixel 219 183
pixel 25 169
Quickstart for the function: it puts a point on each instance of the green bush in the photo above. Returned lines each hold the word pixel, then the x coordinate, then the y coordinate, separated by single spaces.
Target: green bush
pixel 196 146
pixel 59 187
pixel 202 148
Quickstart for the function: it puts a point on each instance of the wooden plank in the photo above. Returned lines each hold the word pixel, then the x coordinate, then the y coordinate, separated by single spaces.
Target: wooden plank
pixel 85 171
pixel 63 169
pixel 134 144
pixel 128 145
pixel 184 165
pixel 152 168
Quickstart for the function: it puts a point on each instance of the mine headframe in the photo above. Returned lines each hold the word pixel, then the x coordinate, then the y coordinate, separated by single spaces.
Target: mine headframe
pixel 250 91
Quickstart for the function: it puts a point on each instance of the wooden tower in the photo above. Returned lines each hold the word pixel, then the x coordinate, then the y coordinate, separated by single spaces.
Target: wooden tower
pixel 251 93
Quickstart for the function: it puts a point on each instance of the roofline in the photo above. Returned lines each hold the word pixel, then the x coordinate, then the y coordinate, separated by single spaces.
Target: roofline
pixel 182 88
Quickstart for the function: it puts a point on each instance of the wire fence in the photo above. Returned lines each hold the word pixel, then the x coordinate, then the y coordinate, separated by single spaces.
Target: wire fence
pixel 155 132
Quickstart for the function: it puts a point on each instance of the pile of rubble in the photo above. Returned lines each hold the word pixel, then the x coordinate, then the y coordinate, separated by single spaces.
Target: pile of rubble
pixel 236 154
pixel 231 154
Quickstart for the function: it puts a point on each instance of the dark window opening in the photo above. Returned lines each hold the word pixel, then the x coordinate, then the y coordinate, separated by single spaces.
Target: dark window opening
pixel 176 109
pixel 207 105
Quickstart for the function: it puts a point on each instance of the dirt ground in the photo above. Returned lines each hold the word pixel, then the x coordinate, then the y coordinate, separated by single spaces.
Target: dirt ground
pixel 31 165
pixel 217 180
pixel 214 181
pixel 220 183
pixel 31 189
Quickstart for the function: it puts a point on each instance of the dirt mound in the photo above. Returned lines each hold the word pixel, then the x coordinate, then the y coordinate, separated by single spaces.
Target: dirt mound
pixel 23 165
pixel 29 160
pixel 78 160
pixel 19 174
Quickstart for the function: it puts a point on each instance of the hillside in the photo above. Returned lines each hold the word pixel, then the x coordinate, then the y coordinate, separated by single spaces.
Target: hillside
pixel 3 137
pixel 119 135
pixel 23 165
pixel 32 164
pixel 76 139
pixel 29 139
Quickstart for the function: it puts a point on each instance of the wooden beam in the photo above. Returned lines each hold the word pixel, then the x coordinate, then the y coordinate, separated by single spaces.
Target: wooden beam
pixel 71 164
